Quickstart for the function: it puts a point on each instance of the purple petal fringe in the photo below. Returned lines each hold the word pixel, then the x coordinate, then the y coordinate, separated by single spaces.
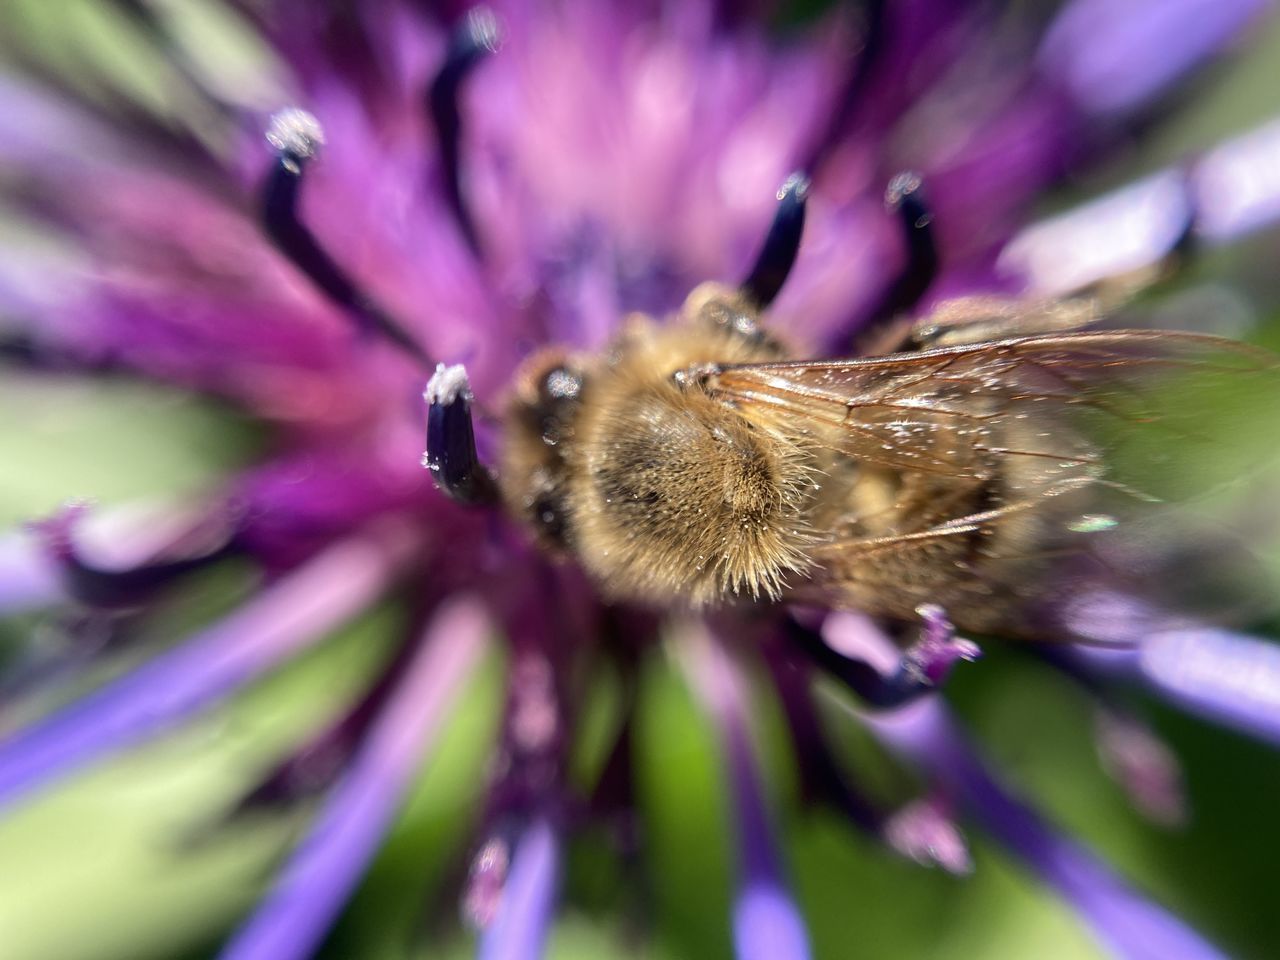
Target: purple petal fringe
pixel 766 921
pixel 282 620
pixel 1122 920
pixel 519 930
pixel 293 919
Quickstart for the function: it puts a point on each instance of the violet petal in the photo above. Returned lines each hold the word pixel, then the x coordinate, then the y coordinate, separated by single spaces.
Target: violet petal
pixel 28 579
pixel 269 629
pixel 766 921
pixel 1116 55
pixel 1226 193
pixel 1121 919
pixel 519 930
pixel 1224 677
pixel 293 919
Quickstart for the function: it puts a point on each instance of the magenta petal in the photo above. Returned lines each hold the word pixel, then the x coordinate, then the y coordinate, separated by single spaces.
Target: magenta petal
pixel 1124 921
pixel 272 627
pixel 293 919
pixel 519 930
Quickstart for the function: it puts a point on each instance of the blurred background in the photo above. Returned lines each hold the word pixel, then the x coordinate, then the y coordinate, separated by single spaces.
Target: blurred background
pixel 133 858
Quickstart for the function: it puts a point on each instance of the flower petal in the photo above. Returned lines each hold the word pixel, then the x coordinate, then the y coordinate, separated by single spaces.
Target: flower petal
pixel 1226 193
pixel 519 930
pixel 766 920
pixel 279 622
pixel 1225 677
pixel 1116 55
pixel 28 579
pixel 293 919
pixel 1122 919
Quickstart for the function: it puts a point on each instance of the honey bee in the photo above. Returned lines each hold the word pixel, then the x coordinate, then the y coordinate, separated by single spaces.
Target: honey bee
pixel 696 463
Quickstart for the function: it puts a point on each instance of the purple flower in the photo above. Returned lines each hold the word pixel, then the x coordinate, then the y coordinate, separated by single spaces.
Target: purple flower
pixel 411 196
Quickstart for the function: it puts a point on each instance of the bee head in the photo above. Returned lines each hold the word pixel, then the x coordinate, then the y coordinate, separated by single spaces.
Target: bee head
pixel 541 422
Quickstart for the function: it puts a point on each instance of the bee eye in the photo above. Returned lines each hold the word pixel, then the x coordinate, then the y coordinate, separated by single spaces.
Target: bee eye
pixel 562 384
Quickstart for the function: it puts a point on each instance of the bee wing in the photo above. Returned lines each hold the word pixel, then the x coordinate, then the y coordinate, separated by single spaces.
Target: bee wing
pixel 892 410
pixel 1015 463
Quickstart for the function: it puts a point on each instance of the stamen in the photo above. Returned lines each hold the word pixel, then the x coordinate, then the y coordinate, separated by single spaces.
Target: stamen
pixel 920 670
pixel 924 831
pixel 451 441
pixel 1130 752
pixel 113 589
pixel 297 138
pixel 781 243
pixel 903 196
pixel 1143 766
pixel 821 778
pixel 476 38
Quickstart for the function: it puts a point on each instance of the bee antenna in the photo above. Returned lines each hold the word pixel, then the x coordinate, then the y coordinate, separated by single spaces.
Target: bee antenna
pixel 297 137
pixel 474 39
pixel 451 454
pixel 781 243
pixel 904 197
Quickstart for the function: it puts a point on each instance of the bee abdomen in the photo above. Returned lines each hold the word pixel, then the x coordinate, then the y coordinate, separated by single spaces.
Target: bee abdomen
pixel 678 495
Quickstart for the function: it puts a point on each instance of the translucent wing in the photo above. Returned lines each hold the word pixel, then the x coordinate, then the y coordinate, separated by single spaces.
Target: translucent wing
pixel 990 476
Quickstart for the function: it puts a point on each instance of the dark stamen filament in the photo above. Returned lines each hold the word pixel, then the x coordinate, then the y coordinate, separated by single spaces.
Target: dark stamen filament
pixel 475 39
pixel 903 196
pixel 781 243
pixel 297 138
pixel 451 443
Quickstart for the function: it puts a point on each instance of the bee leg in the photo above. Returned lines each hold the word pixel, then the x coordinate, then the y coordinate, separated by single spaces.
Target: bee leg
pixel 921 669
pixel 451 443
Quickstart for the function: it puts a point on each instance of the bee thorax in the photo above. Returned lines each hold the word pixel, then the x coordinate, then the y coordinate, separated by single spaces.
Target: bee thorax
pixel 679 497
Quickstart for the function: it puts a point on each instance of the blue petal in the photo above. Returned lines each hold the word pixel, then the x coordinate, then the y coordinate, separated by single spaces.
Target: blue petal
pixel 519 931
pixel 27 578
pixel 279 622
pixel 1225 677
pixel 1229 191
pixel 1116 55
pixel 766 921
pixel 1123 920
pixel 767 925
pixel 300 909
